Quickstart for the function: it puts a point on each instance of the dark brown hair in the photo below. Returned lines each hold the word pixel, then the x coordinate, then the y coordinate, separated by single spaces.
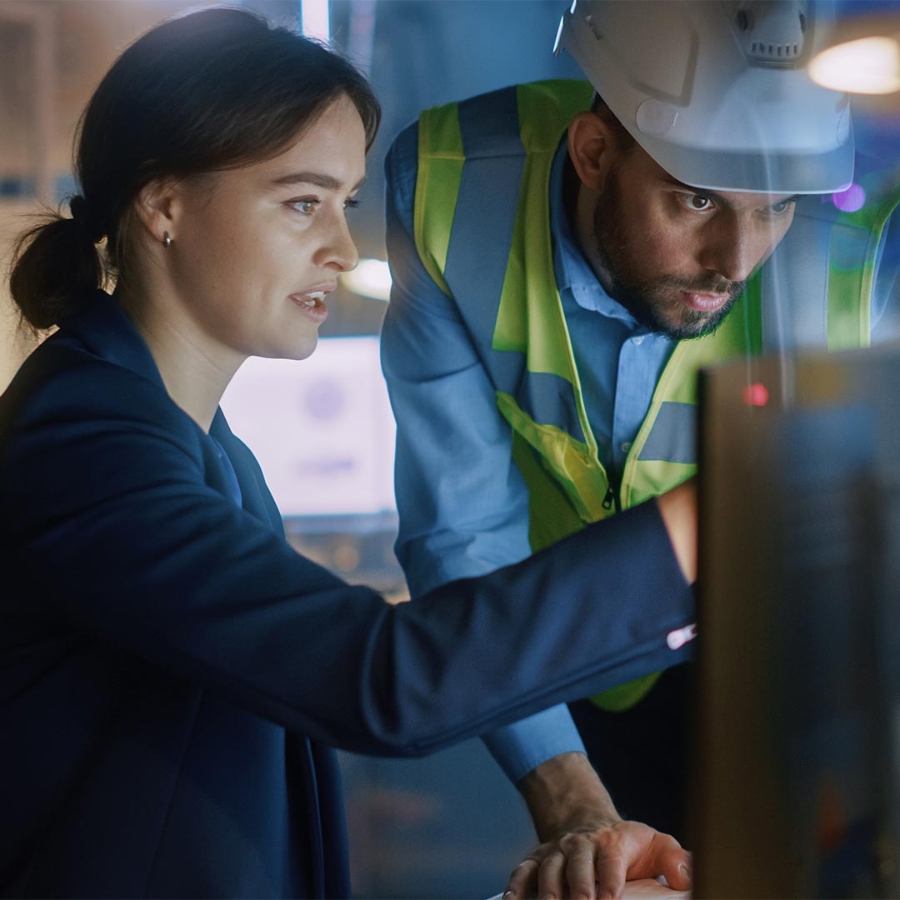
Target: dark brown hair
pixel 208 91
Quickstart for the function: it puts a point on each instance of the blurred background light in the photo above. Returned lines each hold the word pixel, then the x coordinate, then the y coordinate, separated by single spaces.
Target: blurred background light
pixel 315 19
pixel 850 200
pixel 371 278
pixel 869 65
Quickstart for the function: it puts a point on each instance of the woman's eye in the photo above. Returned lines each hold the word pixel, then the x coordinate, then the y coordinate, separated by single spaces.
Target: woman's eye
pixel 306 207
pixel 696 202
pixel 779 209
pixel 351 203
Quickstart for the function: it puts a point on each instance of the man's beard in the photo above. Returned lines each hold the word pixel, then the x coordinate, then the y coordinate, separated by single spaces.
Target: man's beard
pixel 654 302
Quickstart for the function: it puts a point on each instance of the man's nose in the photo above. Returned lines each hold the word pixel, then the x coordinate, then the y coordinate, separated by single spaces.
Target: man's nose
pixel 734 247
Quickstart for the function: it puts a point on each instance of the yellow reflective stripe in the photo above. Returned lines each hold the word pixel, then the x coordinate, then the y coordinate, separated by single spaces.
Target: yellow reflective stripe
pixel 512 331
pixel 846 320
pixel 530 318
pixel 548 102
pixel 551 515
pixel 642 479
pixel 750 307
pixel 624 696
pixel 441 160
pixel 580 475
pixel 530 296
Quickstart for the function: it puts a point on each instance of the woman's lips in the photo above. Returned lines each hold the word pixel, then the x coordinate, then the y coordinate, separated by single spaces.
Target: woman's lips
pixel 312 304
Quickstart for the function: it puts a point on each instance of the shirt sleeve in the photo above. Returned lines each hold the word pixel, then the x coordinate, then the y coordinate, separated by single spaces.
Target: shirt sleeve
pixel 462 502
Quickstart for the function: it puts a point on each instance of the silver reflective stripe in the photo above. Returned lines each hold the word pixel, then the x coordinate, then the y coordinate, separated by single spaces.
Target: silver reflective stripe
pixel 550 400
pixel 546 398
pixel 673 437
pixel 485 217
pixel 479 250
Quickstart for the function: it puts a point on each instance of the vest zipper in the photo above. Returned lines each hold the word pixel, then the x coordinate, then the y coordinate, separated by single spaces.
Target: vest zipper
pixel 611 498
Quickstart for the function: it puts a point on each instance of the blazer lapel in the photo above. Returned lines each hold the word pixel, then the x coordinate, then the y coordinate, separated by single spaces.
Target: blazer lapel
pixel 255 495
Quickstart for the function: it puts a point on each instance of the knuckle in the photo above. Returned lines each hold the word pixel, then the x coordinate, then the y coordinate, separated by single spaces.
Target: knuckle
pixel 525 866
pixel 572 842
pixel 552 861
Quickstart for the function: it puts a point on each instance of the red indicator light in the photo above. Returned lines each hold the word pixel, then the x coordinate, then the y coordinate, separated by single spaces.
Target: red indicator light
pixel 756 394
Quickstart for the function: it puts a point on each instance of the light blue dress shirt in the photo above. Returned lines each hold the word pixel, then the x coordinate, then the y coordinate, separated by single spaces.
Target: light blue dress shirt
pixel 463 504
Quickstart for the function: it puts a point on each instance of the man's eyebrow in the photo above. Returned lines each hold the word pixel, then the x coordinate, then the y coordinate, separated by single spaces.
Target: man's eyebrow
pixel 319 179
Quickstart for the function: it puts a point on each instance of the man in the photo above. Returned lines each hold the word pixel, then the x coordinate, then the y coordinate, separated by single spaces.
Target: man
pixel 562 266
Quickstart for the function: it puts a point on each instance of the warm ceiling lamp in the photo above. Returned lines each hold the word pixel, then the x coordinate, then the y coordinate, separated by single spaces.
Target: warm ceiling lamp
pixel 869 65
pixel 862 58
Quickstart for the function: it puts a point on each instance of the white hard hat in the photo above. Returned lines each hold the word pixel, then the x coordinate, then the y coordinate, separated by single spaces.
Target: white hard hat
pixel 717 91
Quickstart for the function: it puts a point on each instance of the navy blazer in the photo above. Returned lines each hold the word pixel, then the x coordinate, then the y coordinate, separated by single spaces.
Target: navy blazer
pixel 173 674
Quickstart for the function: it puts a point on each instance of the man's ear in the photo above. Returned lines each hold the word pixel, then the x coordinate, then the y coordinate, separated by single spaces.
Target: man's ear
pixel 592 147
pixel 158 207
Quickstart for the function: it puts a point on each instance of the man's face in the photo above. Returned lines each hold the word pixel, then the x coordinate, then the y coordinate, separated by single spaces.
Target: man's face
pixel 678 257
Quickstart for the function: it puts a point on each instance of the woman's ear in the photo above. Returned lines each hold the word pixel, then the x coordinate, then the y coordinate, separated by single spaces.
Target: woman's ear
pixel 592 147
pixel 158 206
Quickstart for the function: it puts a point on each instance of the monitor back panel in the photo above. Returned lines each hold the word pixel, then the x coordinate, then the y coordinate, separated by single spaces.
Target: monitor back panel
pixel 794 781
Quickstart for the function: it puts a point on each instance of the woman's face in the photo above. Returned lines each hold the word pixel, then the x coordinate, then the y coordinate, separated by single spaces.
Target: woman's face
pixel 257 250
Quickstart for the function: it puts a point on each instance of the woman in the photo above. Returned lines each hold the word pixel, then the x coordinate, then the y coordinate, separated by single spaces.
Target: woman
pixel 173 673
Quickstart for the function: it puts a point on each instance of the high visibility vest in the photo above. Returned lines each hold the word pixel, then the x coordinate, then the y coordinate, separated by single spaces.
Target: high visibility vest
pixel 482 231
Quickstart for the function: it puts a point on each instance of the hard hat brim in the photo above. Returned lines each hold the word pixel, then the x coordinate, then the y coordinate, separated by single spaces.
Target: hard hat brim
pixel 769 172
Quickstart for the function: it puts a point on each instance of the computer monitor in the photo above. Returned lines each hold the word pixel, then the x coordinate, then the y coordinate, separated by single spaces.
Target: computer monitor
pixel 794 784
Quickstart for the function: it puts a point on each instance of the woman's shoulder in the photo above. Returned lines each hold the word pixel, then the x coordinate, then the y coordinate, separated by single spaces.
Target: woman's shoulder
pixel 68 387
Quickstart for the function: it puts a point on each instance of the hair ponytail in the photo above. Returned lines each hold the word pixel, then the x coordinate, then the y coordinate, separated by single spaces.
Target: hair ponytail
pixel 55 264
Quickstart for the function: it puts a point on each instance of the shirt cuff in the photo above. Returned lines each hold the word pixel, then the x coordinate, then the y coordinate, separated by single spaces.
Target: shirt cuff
pixel 525 744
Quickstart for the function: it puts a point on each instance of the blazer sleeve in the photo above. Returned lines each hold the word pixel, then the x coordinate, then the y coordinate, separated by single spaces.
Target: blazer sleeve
pixel 110 531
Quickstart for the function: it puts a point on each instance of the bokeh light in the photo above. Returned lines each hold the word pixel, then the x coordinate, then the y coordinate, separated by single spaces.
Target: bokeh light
pixel 850 200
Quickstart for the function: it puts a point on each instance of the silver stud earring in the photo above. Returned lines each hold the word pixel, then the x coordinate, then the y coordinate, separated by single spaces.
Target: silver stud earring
pixel 167 240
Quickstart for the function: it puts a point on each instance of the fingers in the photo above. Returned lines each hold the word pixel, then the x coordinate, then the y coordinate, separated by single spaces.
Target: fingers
pixel 522 881
pixel 556 872
pixel 675 865
pixel 653 853
pixel 580 874
pixel 610 870
pixel 585 865
pixel 550 877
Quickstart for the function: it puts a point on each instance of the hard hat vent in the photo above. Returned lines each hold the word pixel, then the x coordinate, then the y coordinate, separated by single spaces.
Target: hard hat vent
pixel 772 33
pixel 774 52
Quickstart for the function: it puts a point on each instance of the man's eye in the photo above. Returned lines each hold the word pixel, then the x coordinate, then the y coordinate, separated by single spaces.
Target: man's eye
pixel 696 202
pixel 781 208
pixel 306 207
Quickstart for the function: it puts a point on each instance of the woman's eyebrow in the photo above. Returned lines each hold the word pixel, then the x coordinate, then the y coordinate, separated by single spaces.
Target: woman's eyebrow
pixel 319 179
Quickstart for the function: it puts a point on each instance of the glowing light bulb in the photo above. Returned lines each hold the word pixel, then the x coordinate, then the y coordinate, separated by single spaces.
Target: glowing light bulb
pixel 869 65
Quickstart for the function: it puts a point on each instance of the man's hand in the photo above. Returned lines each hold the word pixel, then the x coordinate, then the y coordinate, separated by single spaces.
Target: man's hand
pixel 588 850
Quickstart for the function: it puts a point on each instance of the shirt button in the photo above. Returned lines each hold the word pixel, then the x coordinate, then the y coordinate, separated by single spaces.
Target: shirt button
pixel 626 446
pixel 637 341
